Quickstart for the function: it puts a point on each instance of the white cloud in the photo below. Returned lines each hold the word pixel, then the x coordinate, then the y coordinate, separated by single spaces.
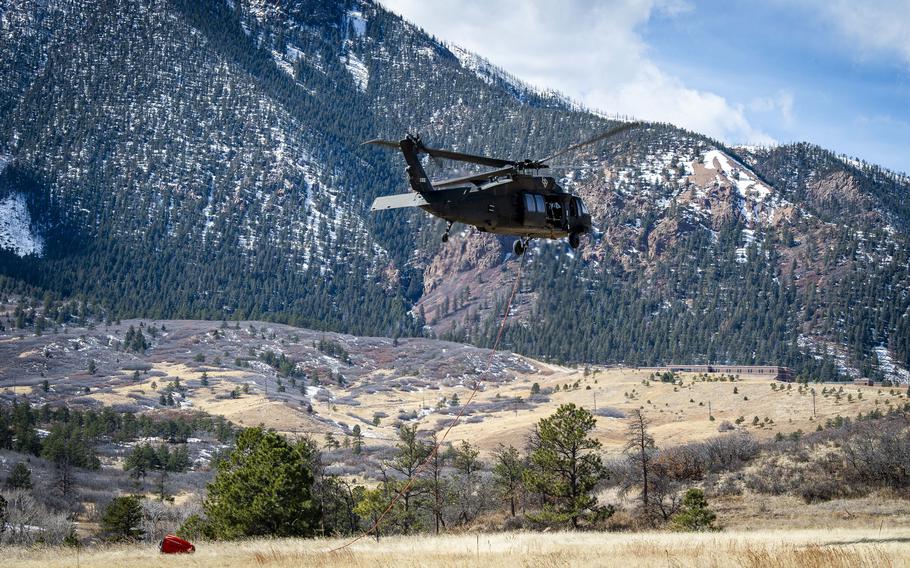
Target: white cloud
pixel 781 103
pixel 873 26
pixel 590 50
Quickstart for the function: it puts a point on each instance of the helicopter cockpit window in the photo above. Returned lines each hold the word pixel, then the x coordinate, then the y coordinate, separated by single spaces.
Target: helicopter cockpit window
pixel 541 208
pixel 582 208
pixel 573 208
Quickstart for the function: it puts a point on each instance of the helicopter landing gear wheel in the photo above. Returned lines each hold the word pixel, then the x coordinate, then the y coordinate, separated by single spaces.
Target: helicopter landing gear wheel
pixel 445 236
pixel 575 240
pixel 520 246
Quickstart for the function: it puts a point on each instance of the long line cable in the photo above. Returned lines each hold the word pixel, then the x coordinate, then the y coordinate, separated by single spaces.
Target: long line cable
pixel 452 423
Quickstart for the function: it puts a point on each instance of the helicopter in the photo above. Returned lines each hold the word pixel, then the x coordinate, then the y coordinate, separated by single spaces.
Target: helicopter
pixel 505 201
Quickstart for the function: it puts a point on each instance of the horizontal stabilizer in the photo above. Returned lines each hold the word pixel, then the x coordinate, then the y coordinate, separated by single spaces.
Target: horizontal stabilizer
pixel 398 201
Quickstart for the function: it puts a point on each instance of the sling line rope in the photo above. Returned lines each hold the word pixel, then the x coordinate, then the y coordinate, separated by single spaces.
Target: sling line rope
pixel 452 423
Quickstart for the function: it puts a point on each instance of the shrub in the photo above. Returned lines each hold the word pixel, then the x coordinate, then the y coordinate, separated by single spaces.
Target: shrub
pixel 194 528
pixel 816 489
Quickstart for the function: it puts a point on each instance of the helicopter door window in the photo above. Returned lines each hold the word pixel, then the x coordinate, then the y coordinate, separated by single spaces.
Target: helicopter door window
pixel 529 203
pixel 541 208
pixel 554 211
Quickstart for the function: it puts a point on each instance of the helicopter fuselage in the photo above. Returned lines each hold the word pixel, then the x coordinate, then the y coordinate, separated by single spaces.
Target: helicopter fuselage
pixel 517 205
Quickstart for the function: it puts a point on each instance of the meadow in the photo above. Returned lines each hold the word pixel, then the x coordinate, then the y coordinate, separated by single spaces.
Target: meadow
pixel 815 548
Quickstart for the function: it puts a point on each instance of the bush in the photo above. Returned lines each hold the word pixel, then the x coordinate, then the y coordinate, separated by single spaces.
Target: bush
pixel 193 528
pixel 29 522
pixel 769 479
pixel 609 412
pixel 816 489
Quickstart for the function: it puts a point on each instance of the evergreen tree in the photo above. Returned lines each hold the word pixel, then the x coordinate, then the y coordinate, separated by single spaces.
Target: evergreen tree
pixel 358 439
pixel 67 448
pixel 695 514
pixel 508 473
pixel 122 519
pixel 564 465
pixel 20 477
pixel 263 488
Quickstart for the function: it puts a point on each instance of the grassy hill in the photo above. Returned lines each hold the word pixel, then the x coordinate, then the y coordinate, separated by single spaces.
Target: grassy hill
pixel 334 381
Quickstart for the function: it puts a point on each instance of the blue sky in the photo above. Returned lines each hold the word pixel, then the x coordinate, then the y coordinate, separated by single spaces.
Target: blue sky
pixel 832 72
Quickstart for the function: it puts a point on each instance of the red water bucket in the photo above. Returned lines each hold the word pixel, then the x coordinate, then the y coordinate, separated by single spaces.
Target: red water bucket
pixel 173 544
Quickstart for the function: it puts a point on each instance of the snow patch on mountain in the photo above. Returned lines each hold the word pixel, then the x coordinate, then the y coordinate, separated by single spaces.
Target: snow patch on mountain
pixel 889 368
pixel 486 71
pixel 355 20
pixel 758 203
pixel 742 253
pixel 15 227
pixel 282 63
pixel 358 70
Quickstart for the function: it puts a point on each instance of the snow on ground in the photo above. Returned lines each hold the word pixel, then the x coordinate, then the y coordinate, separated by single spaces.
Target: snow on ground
pixel 759 203
pixel 358 71
pixel 713 157
pixel 15 227
pixel 486 71
pixel 889 368
pixel 357 22
pixel 748 236
pixel 736 173
pixel 282 64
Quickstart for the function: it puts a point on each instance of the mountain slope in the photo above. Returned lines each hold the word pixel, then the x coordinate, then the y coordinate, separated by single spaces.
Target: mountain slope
pixel 203 159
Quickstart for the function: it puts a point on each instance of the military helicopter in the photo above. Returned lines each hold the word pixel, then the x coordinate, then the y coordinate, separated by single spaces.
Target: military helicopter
pixel 506 201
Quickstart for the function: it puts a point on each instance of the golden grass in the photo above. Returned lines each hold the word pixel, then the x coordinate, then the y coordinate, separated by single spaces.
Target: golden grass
pixel 783 549
pixel 677 414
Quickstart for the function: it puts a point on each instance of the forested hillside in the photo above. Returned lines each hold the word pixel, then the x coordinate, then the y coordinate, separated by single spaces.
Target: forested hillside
pixel 203 159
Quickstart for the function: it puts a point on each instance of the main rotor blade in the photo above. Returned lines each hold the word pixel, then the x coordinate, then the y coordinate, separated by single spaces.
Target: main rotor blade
pixel 448 154
pixel 603 136
pixel 386 143
pixel 482 175
pixel 472 158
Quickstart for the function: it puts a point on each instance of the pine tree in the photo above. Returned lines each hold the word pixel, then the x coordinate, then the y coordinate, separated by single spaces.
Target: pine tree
pixel 122 519
pixel 695 514
pixel 565 465
pixel 20 477
pixel 357 435
pixel 508 473
pixel 263 488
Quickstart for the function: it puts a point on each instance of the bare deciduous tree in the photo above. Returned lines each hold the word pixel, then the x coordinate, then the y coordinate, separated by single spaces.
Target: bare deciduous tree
pixel 641 451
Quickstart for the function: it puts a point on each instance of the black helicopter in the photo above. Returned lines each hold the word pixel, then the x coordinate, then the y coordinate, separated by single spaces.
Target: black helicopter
pixel 505 201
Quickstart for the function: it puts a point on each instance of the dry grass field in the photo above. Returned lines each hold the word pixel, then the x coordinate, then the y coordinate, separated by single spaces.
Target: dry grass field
pixel 405 381
pixel 760 549
pixel 678 414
